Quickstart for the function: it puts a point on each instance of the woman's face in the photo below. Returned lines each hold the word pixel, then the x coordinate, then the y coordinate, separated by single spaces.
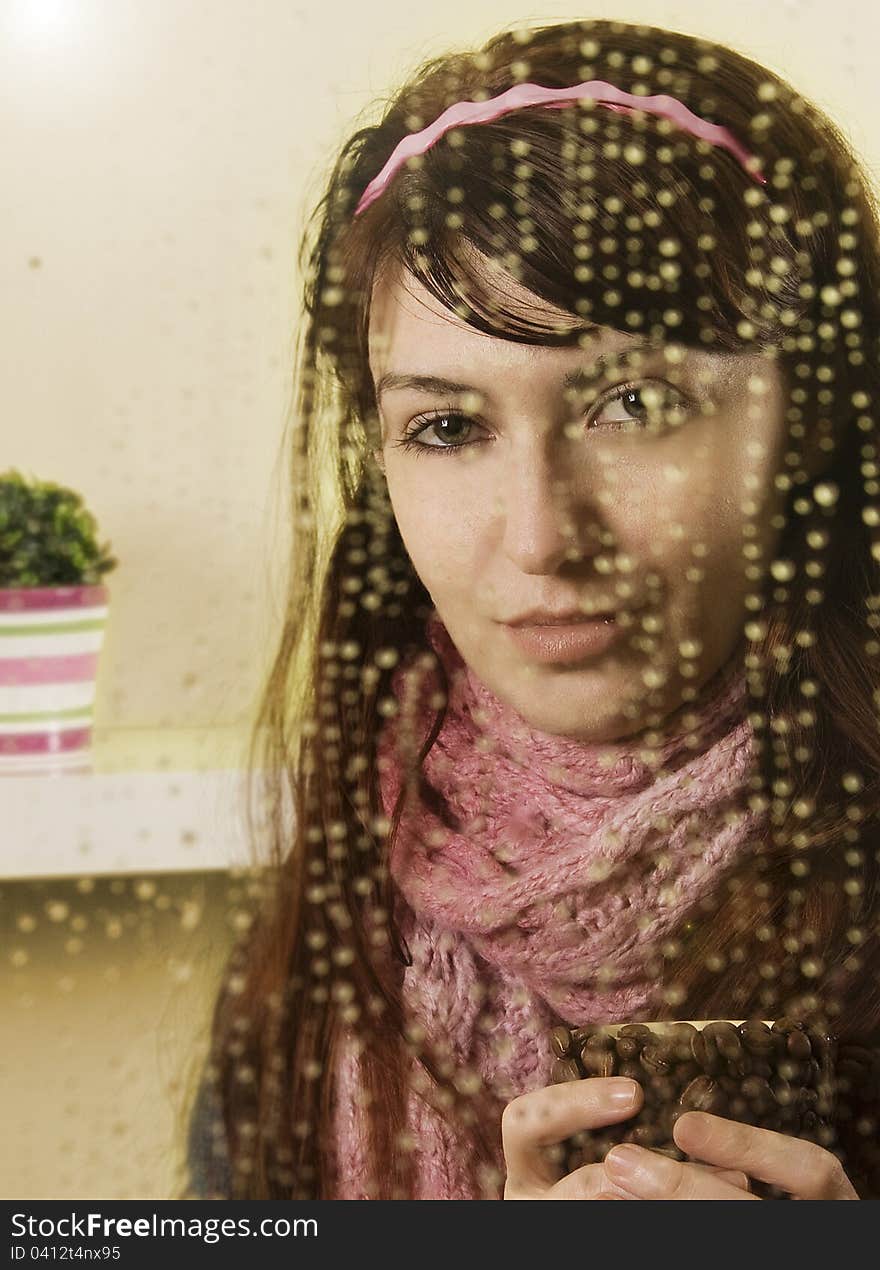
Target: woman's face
pixel 520 492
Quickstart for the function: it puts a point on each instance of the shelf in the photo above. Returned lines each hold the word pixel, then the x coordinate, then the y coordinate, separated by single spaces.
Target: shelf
pixel 168 749
pixel 122 822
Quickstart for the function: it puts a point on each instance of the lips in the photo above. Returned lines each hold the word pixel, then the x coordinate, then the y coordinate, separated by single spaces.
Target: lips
pixel 564 642
pixel 572 618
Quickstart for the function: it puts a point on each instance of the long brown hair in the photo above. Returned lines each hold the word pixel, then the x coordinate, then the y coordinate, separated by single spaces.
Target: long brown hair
pixel 791 268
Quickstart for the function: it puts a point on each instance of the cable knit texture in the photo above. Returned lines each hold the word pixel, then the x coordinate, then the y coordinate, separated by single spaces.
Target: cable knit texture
pixel 535 875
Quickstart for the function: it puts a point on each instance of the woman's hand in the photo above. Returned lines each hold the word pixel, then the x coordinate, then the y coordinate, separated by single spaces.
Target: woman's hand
pixel 805 1170
pixel 533 1126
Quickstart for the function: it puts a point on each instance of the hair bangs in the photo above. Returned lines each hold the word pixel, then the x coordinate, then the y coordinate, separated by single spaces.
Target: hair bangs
pixel 614 227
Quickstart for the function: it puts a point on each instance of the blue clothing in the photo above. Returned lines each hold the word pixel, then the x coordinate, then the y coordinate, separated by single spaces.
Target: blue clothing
pixel 206 1156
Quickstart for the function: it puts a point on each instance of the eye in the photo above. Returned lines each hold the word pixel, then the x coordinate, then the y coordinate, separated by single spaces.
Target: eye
pixel 651 406
pixel 423 426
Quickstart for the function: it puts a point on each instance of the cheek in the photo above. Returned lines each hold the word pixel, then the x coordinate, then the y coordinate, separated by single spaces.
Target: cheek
pixel 436 521
pixel 685 527
pixel 694 511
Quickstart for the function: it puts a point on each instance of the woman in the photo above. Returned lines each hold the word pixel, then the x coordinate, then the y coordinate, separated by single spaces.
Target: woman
pixel 644 340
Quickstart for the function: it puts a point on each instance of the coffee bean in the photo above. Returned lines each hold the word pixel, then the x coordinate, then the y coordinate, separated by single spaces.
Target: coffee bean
pixel 663 1089
pixel 564 1069
pixel 783 1078
pixel 705 1053
pixel 632 1070
pixel 782 1091
pixel 825 1104
pixel 722 1108
pixel 782 1027
pixel 686 1071
pixel 599 1041
pixel 601 1143
pixel 756 1037
pixel 798 1045
pixel 822 1041
pixel 638 1032
pixel 667 1114
pixel 758 1092
pixel 628 1047
pixel 560 1039
pixel 702 1094
pixel 679 1037
pixel 811 1073
pixel 598 1062
pixel 726 1039
pixel 645 1134
pixel 740 1067
pixel 791 1071
pixel 809 1122
pixel 581 1035
pixel 656 1060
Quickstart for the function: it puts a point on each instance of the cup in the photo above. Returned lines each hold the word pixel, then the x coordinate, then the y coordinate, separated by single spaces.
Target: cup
pixel 777 1075
pixel 50 641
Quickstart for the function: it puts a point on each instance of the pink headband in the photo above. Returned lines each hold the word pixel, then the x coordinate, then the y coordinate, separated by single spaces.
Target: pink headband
pixel 467 112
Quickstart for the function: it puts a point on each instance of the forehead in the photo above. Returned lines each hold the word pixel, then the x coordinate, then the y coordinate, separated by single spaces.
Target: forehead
pixel 410 331
pixel 406 318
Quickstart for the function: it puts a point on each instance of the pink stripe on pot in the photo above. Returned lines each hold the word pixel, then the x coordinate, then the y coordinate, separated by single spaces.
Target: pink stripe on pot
pixel 76 668
pixel 46 742
pixel 18 599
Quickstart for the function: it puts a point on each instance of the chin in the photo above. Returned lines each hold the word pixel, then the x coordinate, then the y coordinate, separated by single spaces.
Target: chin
pixel 568 717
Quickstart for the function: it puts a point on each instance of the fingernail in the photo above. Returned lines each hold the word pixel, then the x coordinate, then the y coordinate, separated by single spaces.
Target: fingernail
pixel 695 1126
pixel 630 1165
pixel 622 1092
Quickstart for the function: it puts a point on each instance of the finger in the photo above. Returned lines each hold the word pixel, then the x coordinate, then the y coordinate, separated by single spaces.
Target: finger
pixel 649 1175
pixel 802 1168
pixel 590 1181
pixel 735 1177
pixel 546 1117
pixel 612 1191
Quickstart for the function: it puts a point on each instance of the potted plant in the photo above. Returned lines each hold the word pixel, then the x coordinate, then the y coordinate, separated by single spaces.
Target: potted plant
pixel 53 611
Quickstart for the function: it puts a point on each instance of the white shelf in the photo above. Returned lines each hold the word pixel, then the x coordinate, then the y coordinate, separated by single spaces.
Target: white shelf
pixel 122 822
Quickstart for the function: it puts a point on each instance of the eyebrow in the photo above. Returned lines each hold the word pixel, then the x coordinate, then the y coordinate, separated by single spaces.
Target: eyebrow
pixel 436 386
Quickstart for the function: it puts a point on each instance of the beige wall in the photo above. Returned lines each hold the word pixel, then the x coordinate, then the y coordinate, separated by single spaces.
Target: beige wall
pixel 163 155
pixel 105 998
pixel 159 157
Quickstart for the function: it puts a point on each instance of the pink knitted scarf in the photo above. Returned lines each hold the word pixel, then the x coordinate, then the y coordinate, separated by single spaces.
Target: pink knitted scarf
pixel 533 886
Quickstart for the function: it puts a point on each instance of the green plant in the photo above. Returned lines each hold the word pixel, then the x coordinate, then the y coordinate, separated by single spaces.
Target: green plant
pixel 47 536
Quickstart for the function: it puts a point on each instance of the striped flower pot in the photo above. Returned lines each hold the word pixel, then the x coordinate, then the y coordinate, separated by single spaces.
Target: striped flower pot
pixel 50 641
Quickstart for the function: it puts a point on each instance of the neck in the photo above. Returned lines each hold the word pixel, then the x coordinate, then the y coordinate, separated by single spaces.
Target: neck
pixel 631 762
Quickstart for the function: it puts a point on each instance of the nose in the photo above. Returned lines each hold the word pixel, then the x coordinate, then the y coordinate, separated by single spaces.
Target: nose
pixel 545 524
